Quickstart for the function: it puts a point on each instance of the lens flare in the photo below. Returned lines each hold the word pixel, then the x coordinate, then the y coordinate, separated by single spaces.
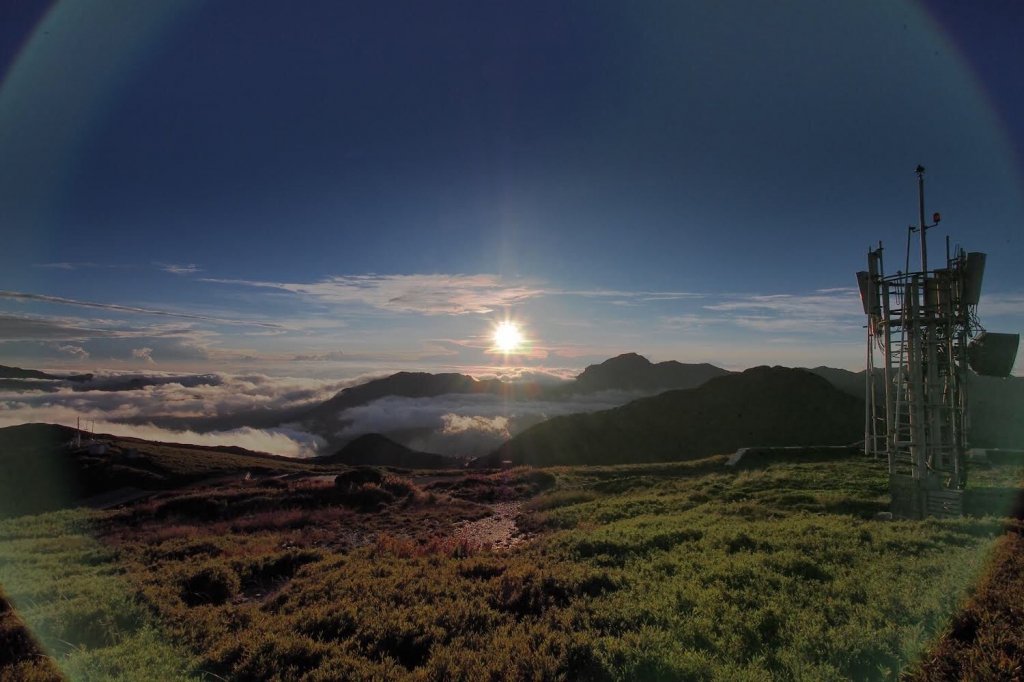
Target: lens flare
pixel 507 337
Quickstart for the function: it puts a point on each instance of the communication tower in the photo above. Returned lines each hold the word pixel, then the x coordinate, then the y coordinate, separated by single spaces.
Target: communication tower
pixel 925 327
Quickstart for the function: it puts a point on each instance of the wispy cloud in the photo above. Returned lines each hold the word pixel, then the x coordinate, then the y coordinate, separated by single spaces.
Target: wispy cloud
pixel 189 269
pixel 425 294
pixel 144 354
pixel 62 266
pixel 76 352
pixel 836 301
pixel 1004 304
pixel 80 265
pixel 825 311
pixel 687 321
pixel 641 296
pixel 17 328
pixel 326 356
pixel 444 294
pixel 42 328
pixel 60 300
pixel 805 325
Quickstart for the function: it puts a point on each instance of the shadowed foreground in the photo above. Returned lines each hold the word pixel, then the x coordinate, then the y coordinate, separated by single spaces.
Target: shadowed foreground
pixel 666 571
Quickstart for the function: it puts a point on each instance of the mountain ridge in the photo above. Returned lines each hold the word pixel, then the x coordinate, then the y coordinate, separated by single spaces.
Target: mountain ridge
pixel 762 406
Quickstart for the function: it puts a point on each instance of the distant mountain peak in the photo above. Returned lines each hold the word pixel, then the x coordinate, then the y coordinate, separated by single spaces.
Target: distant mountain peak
pixel 632 371
pixel 375 449
pixel 627 357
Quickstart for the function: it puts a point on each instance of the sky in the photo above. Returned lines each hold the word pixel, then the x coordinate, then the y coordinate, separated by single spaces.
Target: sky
pixel 330 190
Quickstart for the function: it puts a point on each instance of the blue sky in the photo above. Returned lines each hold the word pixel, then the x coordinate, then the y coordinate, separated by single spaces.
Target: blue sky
pixel 340 188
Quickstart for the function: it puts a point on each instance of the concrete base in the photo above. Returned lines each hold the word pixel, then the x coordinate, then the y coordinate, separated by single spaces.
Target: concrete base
pixel 920 498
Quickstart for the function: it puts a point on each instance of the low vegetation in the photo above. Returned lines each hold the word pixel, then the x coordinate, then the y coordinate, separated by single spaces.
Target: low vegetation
pixel 683 570
pixel 984 641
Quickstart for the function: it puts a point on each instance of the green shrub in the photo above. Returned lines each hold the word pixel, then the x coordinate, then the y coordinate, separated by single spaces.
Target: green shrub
pixel 400 487
pixel 213 583
pixel 366 497
pixel 201 507
pixel 357 477
pixel 289 655
pixel 559 498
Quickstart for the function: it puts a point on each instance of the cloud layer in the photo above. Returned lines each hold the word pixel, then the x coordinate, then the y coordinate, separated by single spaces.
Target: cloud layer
pixel 436 294
pixel 465 425
pixel 265 413
pixel 116 307
pixel 201 409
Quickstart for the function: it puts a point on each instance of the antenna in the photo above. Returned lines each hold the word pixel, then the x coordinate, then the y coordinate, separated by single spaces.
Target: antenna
pixel 925 326
pixel 923 227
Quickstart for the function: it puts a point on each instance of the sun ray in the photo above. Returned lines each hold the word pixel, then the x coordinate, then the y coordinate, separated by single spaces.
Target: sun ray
pixel 507 337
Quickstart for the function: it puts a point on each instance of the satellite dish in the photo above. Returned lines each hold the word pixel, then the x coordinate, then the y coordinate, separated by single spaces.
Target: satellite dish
pixel 992 355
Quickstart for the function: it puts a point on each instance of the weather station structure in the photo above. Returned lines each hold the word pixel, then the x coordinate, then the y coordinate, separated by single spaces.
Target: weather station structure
pixel 924 339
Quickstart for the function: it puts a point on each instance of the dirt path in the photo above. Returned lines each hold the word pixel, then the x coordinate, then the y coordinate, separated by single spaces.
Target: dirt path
pixel 498 531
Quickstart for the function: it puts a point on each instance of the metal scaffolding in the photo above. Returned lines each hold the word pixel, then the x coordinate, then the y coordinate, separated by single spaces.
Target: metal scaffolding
pixel 920 324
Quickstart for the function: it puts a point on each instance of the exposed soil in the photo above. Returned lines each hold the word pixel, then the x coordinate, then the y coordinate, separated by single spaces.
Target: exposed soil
pixel 499 531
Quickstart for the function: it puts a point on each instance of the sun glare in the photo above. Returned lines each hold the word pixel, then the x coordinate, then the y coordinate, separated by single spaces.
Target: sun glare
pixel 507 337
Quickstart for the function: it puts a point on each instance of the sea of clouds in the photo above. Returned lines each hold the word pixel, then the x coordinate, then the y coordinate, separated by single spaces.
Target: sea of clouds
pixel 264 413
pixel 249 410
pixel 465 425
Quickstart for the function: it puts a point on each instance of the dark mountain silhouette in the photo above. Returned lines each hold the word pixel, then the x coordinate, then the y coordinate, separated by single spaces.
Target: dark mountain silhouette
pixel 7 372
pixel 995 405
pixel 996 409
pixel 41 471
pixel 326 417
pixel 33 437
pixel 36 473
pixel 377 450
pixel 631 371
pixel 19 373
pixel 769 406
pixel 846 381
pixel 627 372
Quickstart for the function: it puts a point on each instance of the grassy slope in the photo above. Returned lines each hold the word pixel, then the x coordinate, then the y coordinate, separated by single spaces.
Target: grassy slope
pixel 72 592
pixel 665 571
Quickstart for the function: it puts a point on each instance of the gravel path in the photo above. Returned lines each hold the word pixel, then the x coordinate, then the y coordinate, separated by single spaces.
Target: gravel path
pixel 498 531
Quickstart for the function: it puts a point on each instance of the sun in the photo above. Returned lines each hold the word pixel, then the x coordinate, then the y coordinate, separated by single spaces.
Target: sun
pixel 507 337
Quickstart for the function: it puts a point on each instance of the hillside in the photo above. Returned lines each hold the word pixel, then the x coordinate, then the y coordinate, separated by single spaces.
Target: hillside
pixel 18 379
pixel 376 450
pixel 996 408
pixel 761 406
pixel 843 379
pixel 7 372
pixel 995 405
pixel 40 472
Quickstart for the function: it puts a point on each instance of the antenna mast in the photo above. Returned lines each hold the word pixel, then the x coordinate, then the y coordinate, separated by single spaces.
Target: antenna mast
pixel 924 324
pixel 921 225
